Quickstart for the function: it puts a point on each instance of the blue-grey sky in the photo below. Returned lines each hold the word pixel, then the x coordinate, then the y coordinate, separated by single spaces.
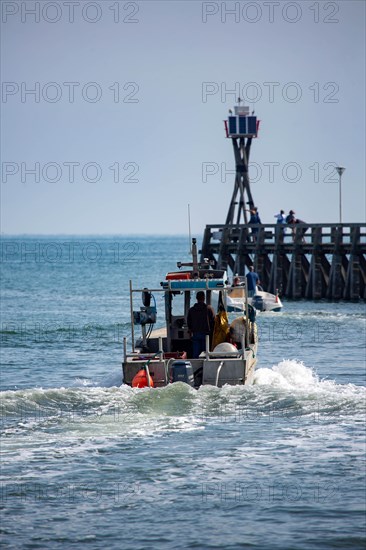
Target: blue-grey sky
pixel 124 127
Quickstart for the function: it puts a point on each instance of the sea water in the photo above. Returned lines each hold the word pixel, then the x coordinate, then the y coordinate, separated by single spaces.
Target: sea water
pixel 90 463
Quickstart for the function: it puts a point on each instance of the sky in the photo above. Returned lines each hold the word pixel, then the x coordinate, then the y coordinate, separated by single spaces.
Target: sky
pixel 112 112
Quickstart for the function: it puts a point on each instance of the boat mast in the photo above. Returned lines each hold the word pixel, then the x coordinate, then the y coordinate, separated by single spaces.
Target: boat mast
pixel 189 230
pixel 194 263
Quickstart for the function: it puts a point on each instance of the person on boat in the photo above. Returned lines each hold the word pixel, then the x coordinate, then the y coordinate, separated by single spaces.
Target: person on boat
pixel 236 281
pixel 200 321
pixel 252 281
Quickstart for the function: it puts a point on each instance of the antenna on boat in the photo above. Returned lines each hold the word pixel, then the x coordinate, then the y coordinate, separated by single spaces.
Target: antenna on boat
pixel 189 229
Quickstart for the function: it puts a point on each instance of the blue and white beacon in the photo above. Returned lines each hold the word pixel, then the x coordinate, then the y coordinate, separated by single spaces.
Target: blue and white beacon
pixel 241 123
pixel 241 126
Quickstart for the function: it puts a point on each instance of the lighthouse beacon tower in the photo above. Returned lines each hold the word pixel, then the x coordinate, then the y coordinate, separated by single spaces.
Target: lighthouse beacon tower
pixel 241 127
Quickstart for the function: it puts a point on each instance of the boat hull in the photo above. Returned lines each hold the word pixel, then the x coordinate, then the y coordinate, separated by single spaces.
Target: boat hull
pixel 207 371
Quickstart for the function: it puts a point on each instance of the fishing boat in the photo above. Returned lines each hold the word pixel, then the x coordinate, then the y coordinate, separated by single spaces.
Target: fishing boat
pixel 165 355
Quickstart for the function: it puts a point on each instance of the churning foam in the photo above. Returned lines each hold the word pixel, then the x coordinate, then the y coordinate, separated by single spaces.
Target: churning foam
pixel 288 374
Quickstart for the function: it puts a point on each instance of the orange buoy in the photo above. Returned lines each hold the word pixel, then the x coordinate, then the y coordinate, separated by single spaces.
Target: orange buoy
pixel 140 380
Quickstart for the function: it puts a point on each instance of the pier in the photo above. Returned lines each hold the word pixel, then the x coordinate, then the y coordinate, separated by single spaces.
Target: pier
pixel 325 261
pixel 300 261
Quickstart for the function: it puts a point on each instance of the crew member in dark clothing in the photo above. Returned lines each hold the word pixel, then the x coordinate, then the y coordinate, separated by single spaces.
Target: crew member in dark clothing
pixel 252 281
pixel 200 321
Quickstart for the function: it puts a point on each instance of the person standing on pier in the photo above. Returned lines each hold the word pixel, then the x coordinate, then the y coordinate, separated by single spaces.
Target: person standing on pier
pixel 252 281
pixel 282 221
pixel 254 218
pixel 290 218
pixel 303 229
pixel 280 217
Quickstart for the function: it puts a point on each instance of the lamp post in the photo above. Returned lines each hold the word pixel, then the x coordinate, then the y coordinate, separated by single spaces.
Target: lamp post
pixel 340 171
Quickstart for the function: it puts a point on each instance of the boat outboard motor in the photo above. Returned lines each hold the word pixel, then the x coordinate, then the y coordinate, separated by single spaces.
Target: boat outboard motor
pixel 182 372
pixel 258 302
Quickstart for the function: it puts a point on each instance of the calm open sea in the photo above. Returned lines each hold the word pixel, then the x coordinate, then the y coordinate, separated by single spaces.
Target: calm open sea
pixel 90 463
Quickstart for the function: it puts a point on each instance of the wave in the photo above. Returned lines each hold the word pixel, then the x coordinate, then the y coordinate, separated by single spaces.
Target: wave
pixel 289 385
pixel 56 326
pixel 17 335
pixel 352 313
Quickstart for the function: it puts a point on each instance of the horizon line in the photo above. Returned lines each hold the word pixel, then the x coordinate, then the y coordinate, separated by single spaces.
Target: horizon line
pixel 3 234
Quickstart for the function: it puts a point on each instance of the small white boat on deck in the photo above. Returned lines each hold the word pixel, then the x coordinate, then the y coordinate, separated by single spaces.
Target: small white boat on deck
pixel 262 301
pixel 164 356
